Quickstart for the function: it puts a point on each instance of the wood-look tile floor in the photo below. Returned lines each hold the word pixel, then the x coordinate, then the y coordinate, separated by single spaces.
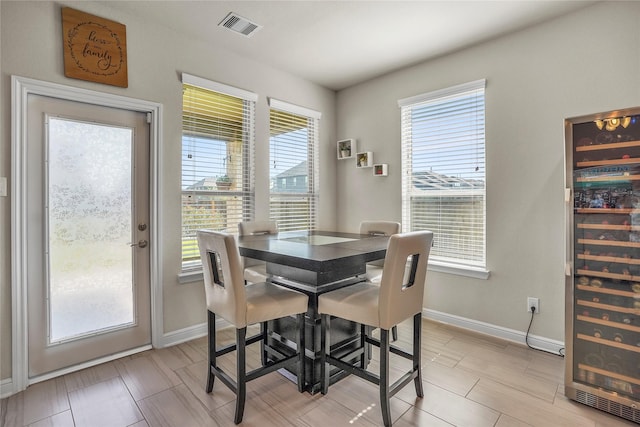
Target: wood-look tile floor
pixel 469 380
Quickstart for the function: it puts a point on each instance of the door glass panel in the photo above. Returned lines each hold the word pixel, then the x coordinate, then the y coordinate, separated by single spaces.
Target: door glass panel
pixel 89 212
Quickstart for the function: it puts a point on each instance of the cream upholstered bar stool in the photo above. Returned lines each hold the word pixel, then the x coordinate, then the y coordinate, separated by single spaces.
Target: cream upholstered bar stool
pixel 398 297
pixel 374 268
pixel 255 271
pixel 242 305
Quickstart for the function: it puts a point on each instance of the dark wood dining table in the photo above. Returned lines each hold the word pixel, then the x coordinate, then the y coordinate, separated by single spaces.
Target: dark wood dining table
pixel 314 262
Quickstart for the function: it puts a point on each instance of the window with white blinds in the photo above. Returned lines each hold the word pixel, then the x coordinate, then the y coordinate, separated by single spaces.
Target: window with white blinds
pixel 293 166
pixel 443 172
pixel 217 160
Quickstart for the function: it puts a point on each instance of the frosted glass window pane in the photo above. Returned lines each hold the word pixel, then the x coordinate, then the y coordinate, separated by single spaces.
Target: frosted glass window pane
pixel 89 228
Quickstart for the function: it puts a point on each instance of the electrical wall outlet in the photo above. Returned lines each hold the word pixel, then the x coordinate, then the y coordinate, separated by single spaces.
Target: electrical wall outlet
pixel 533 302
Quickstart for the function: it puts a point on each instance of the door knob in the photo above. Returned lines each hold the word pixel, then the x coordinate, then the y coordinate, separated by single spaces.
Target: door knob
pixel 140 244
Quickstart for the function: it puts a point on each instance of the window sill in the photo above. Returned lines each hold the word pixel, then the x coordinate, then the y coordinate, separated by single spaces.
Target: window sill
pixel 190 276
pixel 460 270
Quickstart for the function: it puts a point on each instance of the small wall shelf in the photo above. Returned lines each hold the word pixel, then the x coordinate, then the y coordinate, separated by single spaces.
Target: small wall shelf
pixel 364 159
pixel 346 148
pixel 381 169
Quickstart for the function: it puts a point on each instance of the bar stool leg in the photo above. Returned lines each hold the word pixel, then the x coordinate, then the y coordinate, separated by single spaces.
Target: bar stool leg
pixel 301 353
pixel 263 343
pixel 384 377
pixel 417 339
pixel 364 357
pixel 325 348
pixel 241 379
pixel 211 325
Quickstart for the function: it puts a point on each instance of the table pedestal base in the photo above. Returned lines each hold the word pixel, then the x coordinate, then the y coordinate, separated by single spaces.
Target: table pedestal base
pixel 345 337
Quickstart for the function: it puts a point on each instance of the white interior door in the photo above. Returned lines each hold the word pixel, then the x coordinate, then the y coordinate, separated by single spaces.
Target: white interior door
pixel 87 199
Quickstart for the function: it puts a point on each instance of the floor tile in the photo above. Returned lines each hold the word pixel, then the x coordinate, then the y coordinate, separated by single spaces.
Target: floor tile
pixel 523 406
pixel 330 412
pixel 90 376
pixel 106 404
pixel 508 371
pixel 363 398
pixel 63 419
pixel 455 380
pixel 195 378
pixel 144 376
pixel 175 407
pixel 44 399
pixel 507 421
pixel 419 418
pixel 179 356
pixel 451 407
pixel 257 413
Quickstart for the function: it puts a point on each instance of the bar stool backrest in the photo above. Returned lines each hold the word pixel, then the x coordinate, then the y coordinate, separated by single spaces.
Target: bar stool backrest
pixel 223 276
pixel 254 228
pixel 379 228
pixel 384 228
pixel 401 290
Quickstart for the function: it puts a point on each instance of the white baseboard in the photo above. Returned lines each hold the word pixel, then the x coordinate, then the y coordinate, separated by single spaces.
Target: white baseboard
pixel 188 334
pixel 6 388
pixel 507 334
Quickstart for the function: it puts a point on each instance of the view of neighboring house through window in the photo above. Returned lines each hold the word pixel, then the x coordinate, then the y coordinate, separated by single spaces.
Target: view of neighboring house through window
pixel 443 167
pixel 217 160
pixel 293 166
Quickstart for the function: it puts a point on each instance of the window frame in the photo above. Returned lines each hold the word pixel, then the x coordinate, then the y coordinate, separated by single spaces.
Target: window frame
pixel 475 269
pixel 191 270
pixel 313 187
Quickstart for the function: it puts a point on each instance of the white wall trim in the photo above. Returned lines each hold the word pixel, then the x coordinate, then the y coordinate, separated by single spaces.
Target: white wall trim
pixel 507 334
pixel 219 87
pixel 6 388
pixel 190 333
pixel 460 270
pixel 21 87
pixel 295 109
pixel 442 93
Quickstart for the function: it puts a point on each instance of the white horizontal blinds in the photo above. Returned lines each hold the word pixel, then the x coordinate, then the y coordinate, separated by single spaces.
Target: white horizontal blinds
pixel 293 166
pixel 217 162
pixel 443 164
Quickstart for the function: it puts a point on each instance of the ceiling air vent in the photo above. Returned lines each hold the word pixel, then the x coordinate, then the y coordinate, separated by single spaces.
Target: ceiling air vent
pixel 239 24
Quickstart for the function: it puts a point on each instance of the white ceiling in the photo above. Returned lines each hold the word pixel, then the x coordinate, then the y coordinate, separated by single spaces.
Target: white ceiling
pixel 340 43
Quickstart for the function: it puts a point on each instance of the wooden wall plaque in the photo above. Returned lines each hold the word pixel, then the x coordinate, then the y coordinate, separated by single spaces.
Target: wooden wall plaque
pixel 95 49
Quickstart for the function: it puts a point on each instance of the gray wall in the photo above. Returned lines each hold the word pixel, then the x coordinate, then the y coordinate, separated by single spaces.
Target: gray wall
pixel 32 47
pixel 582 63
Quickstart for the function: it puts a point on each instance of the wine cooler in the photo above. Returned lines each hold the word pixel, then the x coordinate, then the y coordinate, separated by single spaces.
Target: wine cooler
pixel 603 270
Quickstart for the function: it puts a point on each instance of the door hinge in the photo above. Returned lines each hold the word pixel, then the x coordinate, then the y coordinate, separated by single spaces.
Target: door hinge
pixel 149 118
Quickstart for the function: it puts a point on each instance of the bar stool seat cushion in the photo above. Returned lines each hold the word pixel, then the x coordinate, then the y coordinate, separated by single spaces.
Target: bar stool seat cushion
pixel 358 303
pixel 266 301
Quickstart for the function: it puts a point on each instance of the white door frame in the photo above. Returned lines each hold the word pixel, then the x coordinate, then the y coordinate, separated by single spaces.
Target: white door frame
pixel 21 87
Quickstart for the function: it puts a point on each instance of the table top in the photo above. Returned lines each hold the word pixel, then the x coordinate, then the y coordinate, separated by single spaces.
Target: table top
pixel 313 246
pixel 329 255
